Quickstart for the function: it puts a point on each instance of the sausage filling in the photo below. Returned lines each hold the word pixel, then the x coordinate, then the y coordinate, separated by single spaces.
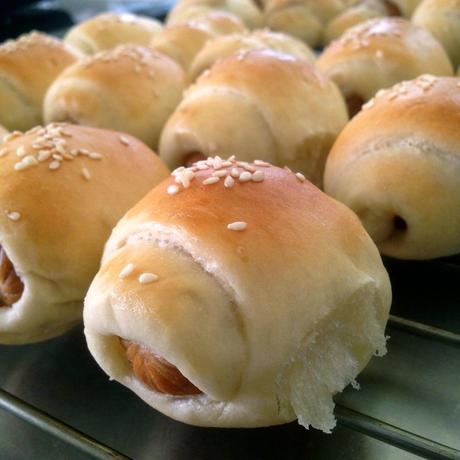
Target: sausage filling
pixel 392 9
pixel 157 373
pixel 11 287
pixel 192 158
pixel 354 103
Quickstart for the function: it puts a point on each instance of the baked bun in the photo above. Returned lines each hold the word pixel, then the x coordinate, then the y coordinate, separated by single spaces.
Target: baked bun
pixel 395 165
pixel 238 304
pixel 304 19
pixel 186 10
pixel 261 103
pixel 182 42
pixel 356 14
pixel 378 54
pixel 130 88
pixel 107 30
pixel 28 66
pixel 222 47
pixel 62 189
pixel 442 19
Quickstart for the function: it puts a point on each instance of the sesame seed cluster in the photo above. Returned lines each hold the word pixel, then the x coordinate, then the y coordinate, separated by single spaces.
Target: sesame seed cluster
pixel 27 41
pixel 49 147
pixel 143 278
pixel 424 82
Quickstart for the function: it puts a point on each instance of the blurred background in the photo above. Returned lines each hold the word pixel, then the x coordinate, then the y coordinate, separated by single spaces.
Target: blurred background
pixel 54 16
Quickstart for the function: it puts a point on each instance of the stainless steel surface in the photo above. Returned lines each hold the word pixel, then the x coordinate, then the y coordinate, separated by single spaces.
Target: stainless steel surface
pixel 56 428
pixel 415 387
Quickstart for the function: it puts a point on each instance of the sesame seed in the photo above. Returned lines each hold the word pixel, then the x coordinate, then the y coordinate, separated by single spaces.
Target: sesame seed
pixel 300 176
pixel 202 167
pixel 231 158
pixel 3 152
pixel 43 155
pixel 74 152
pixel 245 176
pixel 220 173
pixel 19 166
pixel 86 173
pixel 247 167
pixel 126 271
pixel 95 156
pixel 261 163
pixel 54 165
pixel 237 226
pixel 14 215
pixel 29 160
pixel 60 148
pixel 211 180
pixel 146 278
pixel 234 172
pixel 229 182
pixel 217 163
pixel 124 140
pixel 258 176
pixel 21 151
pixel 173 189
pixel 11 136
pixel 226 164
pixel 178 170
pixel 57 157
pixel 83 151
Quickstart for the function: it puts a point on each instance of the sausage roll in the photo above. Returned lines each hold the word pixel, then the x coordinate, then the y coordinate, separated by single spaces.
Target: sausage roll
pixel 396 164
pixel 260 103
pixel 246 10
pixel 62 189
pixel 304 19
pixel 182 42
pixel 442 19
pixel 222 47
pixel 108 30
pixel 237 294
pixel 378 54
pixel 130 88
pixel 28 65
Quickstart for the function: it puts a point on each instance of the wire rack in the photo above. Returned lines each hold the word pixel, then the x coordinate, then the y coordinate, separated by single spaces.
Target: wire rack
pixel 347 417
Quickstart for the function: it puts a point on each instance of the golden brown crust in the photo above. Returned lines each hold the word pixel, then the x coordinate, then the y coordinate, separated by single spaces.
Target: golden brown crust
pixel 28 65
pixel 58 205
pixel 379 53
pixel 222 47
pixel 303 19
pixel 108 30
pixel 187 10
pixel 131 88
pixel 395 163
pixel 288 113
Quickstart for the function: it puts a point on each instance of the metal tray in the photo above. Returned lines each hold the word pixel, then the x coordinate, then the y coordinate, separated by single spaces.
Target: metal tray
pixel 407 399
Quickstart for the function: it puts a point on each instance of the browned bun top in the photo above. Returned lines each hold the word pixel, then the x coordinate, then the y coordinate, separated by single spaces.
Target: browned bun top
pixel 68 185
pixel 28 65
pixel 130 88
pixel 107 30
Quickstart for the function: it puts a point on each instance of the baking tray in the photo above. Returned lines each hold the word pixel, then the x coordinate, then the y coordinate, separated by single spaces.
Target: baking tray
pixel 415 388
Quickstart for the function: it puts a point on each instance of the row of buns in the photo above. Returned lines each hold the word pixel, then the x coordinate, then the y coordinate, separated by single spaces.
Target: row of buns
pixel 190 277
